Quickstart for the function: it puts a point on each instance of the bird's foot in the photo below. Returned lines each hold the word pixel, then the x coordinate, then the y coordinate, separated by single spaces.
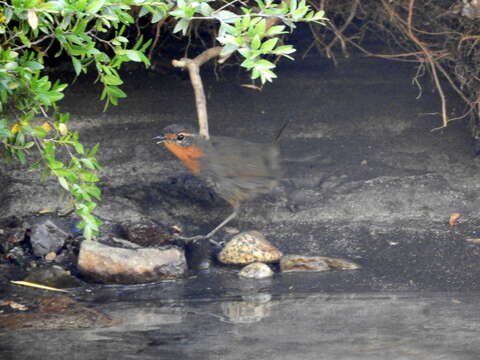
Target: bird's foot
pixel 196 238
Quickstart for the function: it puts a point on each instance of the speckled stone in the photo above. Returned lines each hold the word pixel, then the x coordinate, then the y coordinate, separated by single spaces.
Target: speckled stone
pixel 290 263
pixel 256 270
pixel 249 247
pixel 340 264
pixel 314 263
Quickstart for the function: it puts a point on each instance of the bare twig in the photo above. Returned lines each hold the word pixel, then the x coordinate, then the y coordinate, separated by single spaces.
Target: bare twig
pixel 193 67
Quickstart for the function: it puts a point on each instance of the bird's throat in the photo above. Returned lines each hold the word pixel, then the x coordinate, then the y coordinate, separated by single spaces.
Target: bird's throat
pixel 189 155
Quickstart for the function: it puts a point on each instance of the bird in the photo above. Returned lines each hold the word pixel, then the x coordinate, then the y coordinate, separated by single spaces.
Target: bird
pixel 236 169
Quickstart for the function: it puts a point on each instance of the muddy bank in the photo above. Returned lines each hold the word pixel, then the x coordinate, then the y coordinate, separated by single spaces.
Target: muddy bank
pixel 365 178
pixel 359 158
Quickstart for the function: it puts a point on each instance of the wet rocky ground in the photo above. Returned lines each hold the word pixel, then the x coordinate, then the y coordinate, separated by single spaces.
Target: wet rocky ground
pixel 365 179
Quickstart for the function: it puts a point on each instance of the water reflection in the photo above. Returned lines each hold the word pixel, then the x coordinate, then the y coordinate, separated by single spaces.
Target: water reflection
pixel 251 309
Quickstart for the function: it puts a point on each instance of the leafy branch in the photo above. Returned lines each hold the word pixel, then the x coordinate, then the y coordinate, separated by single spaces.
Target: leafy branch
pixel 94 36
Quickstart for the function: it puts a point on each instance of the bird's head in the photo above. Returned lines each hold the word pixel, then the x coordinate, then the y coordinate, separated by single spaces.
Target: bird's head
pixel 183 142
pixel 179 135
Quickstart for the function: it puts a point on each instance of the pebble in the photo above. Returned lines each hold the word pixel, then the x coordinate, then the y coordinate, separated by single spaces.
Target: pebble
pixel 51 256
pixel 47 237
pixel 256 270
pixel 340 264
pixel 249 247
pixel 290 263
pixel 121 265
pixel 10 238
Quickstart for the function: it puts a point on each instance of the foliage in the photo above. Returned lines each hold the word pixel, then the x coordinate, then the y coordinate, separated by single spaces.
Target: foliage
pixel 93 35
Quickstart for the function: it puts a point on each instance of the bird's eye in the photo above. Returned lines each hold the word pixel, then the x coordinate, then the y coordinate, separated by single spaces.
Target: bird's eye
pixel 180 137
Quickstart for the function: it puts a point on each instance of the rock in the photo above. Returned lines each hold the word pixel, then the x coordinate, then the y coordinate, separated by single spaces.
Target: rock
pixel 53 276
pixel 147 233
pixel 47 237
pixel 314 263
pixel 11 237
pixel 340 264
pixel 290 263
pixel 249 247
pixel 256 270
pixel 51 256
pixel 109 264
pixel 17 256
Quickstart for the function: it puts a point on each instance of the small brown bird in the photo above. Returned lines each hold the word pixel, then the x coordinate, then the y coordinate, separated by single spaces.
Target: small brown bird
pixel 236 169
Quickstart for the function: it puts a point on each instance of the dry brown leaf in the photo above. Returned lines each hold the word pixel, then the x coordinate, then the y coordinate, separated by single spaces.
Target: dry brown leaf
pixel 39 286
pixel 14 305
pixel 473 240
pixel 454 219
pixel 32 19
pixel 15 128
pixel 251 86
pixel 45 211
pixel 63 129
pixel 47 127
pixel 176 229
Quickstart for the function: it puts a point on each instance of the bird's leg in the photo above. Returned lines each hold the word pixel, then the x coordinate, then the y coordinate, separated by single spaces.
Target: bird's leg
pixel 223 223
pixel 213 232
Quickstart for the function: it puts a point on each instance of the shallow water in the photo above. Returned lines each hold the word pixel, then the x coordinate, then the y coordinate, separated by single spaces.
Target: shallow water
pixel 261 321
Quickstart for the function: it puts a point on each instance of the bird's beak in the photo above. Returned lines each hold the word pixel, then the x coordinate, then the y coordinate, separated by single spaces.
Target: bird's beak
pixel 159 139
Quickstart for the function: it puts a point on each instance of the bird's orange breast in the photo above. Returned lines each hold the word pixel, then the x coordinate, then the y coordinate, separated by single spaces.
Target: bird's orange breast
pixel 189 155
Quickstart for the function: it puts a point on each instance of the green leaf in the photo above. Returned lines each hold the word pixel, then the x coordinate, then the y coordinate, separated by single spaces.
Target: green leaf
pixel 25 40
pixel 39 131
pixel 246 21
pixel 93 150
pixel 116 92
pixel 77 65
pixel 178 13
pixel 205 9
pixel 88 163
pixel 32 19
pixel 255 44
pixel 133 55
pixel 79 148
pixel 182 25
pixel 88 176
pixel 264 64
pixel 55 164
pixel 67 173
pixel 268 45
pixel 225 16
pixel 260 28
pixel 28 145
pixel 88 232
pixel 112 80
pixel 276 30
pixel 94 6
pixel 64 183
pixel 94 191
pixel 284 49
pixel 21 156
pixel 248 63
